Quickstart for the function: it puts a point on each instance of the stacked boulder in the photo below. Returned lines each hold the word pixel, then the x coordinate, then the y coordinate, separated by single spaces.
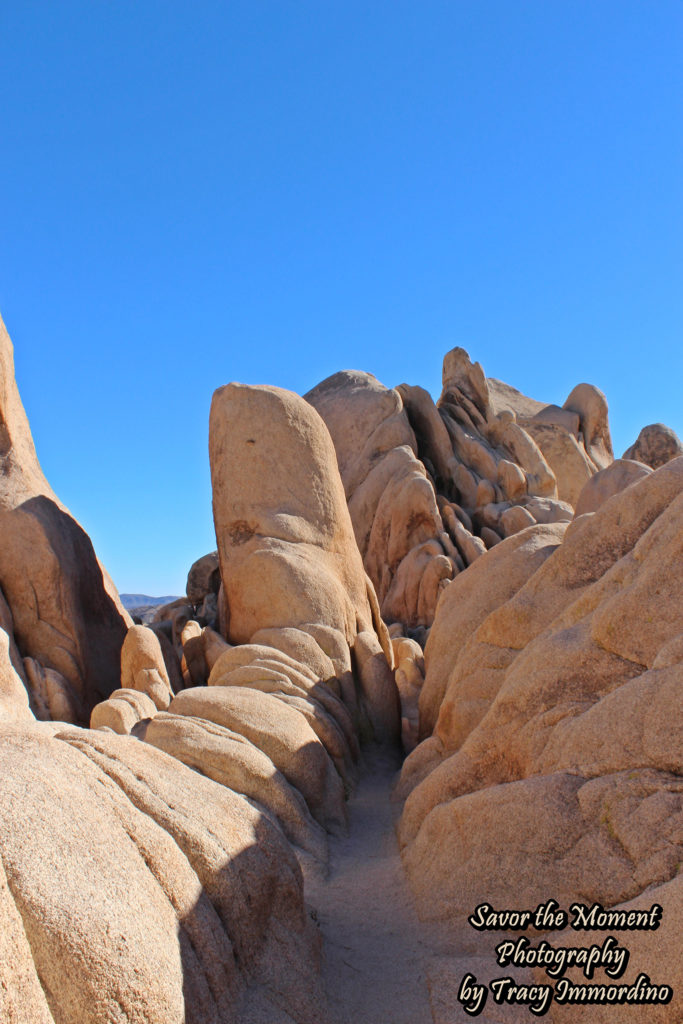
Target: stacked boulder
pixel 167 841
pixel 392 502
pixel 432 487
pixel 276 705
pixel 305 666
pixel 655 445
pixel 182 882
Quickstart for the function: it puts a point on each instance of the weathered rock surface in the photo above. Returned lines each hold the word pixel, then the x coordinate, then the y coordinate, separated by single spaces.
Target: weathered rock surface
pixel 282 733
pixel 590 405
pixel 66 612
pixel 122 711
pixel 63 616
pixel 504 461
pixel 143 667
pixel 391 500
pixel 133 889
pixel 14 690
pixel 556 757
pixel 231 759
pixel 21 475
pixel 470 600
pixel 203 578
pixel 616 477
pixel 410 675
pixel 268 514
pixel 285 541
pixel 656 444
pixel 566 456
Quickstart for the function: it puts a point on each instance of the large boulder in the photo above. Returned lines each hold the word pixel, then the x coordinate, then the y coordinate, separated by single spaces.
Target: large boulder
pixel 234 761
pixel 565 454
pixel 615 478
pixel 63 615
pixel 470 600
pixel 391 500
pixel 21 477
pixel 143 667
pixel 656 444
pixel 282 733
pixel 203 578
pixel 133 889
pixel 285 540
pixel 67 614
pixel 286 545
pixel 122 711
pixel 14 704
pixel 590 405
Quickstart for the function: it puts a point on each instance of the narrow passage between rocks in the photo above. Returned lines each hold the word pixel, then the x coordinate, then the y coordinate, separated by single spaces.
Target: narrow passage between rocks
pixel 376 949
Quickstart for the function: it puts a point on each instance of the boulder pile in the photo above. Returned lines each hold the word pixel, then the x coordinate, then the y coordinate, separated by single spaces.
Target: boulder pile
pixel 476 579
pixel 432 487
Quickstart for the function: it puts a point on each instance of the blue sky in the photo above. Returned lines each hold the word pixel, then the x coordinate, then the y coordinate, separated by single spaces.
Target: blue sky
pixel 271 191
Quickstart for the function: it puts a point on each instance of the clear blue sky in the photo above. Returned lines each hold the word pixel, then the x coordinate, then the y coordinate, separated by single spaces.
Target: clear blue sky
pixel 192 193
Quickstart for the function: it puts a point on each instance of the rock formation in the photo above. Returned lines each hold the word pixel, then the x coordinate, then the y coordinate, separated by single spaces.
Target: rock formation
pixel 476 578
pixel 656 444
pixel 555 758
pixel 67 617
pixel 133 889
pixel 431 488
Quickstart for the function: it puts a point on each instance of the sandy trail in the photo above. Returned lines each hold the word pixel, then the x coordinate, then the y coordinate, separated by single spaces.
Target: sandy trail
pixel 376 950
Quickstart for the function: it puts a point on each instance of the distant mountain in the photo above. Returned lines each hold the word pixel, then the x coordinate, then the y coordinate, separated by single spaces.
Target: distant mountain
pixel 145 601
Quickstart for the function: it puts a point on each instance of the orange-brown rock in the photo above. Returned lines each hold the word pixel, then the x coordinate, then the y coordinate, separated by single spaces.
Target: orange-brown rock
pixel 616 477
pixel 114 853
pixel 655 445
pixel 295 563
pixel 391 499
pixel 143 667
pixel 66 611
pixel 567 776
pixel 63 616
pixel 280 732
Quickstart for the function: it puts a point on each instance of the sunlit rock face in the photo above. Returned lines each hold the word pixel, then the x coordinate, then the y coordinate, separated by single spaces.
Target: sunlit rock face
pixel 555 760
pixel 476 578
pixel 65 618
pixel 432 487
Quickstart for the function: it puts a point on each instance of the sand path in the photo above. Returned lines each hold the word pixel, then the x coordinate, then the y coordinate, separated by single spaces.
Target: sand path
pixel 376 950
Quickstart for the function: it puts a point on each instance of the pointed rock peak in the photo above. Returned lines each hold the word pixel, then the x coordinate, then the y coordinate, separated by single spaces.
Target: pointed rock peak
pixel 460 374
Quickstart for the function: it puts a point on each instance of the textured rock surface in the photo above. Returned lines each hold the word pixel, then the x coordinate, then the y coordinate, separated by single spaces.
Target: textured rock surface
pixel 122 711
pixel 487 585
pixel 66 611
pixel 203 578
pixel 566 778
pixel 227 757
pixel 266 448
pixel 21 475
pixel 282 733
pixel 656 444
pixel 391 500
pixel 285 541
pixel 431 487
pixel 63 615
pixel 143 667
pixel 616 477
pixel 188 895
